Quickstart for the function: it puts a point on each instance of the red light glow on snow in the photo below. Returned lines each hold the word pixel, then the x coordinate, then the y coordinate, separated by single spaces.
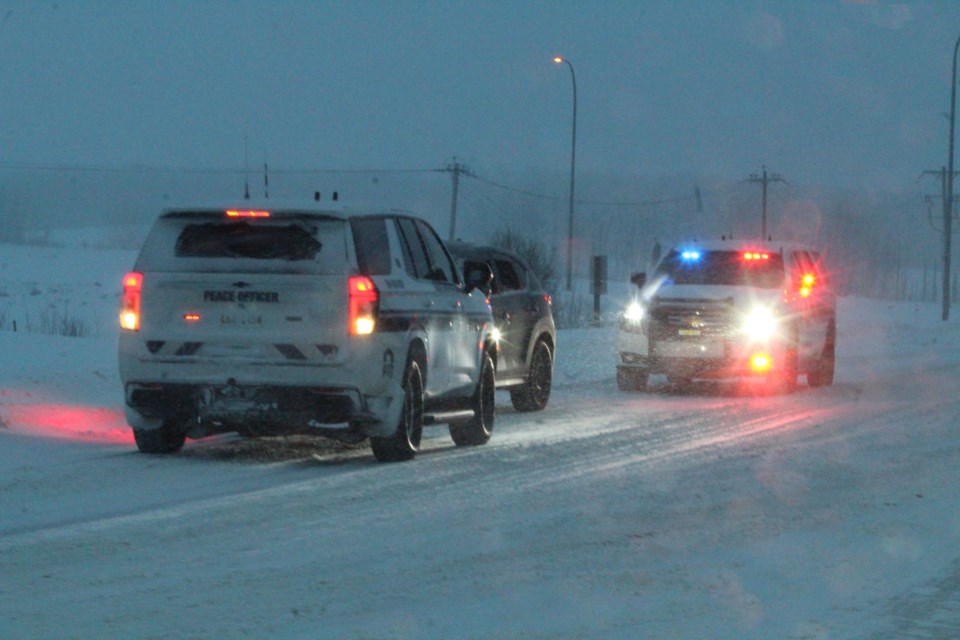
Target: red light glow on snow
pixel 71 422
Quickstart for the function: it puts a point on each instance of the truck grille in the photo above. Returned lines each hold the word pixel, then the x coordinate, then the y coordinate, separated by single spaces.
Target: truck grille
pixel 691 320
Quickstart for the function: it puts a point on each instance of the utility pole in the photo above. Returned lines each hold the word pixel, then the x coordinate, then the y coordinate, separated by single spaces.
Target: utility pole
pixel 455 169
pixel 946 191
pixel 948 197
pixel 764 179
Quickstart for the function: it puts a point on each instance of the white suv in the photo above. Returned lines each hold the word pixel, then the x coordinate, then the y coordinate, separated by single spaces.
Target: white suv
pixel 274 320
pixel 724 309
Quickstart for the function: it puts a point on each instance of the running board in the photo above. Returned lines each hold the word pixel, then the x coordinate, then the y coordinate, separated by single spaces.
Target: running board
pixel 443 417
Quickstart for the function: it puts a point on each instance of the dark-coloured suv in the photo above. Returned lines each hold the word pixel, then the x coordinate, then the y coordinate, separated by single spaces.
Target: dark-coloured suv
pixel 523 314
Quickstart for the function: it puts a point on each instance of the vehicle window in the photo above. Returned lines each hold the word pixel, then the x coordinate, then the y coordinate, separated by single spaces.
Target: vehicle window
pixel 244 240
pixel 372 245
pixel 511 278
pixel 209 245
pixel 722 268
pixel 441 266
pixel 415 256
pixel 469 267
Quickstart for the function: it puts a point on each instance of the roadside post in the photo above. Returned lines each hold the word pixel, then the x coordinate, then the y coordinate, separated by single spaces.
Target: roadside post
pixel 598 284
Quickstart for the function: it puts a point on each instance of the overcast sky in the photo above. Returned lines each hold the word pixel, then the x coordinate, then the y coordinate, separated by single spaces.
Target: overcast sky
pixel 842 93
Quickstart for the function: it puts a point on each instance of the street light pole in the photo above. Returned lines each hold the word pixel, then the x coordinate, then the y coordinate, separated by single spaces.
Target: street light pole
pixel 948 200
pixel 573 166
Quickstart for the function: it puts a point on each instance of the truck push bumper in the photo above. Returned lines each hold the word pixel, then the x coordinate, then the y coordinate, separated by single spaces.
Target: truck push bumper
pixel 743 361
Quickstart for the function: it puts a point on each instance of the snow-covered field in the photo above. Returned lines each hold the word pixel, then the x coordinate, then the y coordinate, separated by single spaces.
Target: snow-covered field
pixel 725 512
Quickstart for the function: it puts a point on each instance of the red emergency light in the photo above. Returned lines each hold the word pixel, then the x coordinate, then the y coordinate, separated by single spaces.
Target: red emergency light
pixel 237 213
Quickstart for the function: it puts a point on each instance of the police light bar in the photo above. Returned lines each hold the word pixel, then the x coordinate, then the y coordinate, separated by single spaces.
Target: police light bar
pixel 235 213
pixel 690 255
pixel 749 255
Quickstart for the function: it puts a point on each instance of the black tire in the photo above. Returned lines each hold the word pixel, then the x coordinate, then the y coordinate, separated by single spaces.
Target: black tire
pixel 679 381
pixel 477 430
pixel 167 439
pixel 405 441
pixel 535 393
pixel 786 373
pixel 631 380
pixel 822 376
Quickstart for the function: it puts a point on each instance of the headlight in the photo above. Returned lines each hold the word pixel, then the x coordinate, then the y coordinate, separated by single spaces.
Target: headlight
pixel 633 313
pixel 632 317
pixel 759 324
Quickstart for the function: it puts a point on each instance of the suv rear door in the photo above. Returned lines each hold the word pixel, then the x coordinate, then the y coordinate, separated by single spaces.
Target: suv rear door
pixel 440 296
pixel 257 290
pixel 515 313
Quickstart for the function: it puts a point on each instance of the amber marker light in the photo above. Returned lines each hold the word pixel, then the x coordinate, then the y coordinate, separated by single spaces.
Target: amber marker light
pixel 760 362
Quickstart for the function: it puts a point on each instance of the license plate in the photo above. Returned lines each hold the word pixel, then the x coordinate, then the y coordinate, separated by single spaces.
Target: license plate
pixel 688 332
pixel 240 320
pixel 689 349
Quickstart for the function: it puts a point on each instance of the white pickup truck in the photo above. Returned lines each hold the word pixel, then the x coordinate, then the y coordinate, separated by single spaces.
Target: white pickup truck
pixel 725 309
pixel 267 319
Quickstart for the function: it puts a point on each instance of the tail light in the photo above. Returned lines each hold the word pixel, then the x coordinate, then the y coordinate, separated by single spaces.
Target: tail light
pixel 364 305
pixel 130 302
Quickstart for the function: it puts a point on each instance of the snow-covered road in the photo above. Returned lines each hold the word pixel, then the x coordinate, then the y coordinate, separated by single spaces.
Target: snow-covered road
pixel 722 512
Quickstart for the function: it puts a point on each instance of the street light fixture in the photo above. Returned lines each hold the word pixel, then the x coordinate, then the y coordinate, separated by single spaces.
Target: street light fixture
pixel 573 166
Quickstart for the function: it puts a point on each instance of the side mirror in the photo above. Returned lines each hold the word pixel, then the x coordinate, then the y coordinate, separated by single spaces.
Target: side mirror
pixel 639 279
pixel 478 275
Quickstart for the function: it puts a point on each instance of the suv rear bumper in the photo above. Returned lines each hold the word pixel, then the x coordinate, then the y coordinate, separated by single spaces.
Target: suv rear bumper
pixel 204 409
pixel 207 395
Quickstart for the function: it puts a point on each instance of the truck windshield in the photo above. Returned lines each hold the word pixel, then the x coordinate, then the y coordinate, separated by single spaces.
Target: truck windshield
pixel 722 268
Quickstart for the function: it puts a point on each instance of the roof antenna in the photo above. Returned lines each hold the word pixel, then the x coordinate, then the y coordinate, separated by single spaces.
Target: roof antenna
pixel 266 181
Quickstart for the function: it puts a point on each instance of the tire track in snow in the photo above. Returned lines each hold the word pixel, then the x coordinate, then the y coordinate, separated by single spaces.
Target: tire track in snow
pixel 931 612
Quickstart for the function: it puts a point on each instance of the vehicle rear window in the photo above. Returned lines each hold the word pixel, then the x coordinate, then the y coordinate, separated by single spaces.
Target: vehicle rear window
pixel 722 268
pixel 243 240
pixel 208 244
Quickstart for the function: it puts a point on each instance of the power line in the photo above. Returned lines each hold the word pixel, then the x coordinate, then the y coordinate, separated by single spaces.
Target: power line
pixel 171 169
pixel 456 169
pixel 619 203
